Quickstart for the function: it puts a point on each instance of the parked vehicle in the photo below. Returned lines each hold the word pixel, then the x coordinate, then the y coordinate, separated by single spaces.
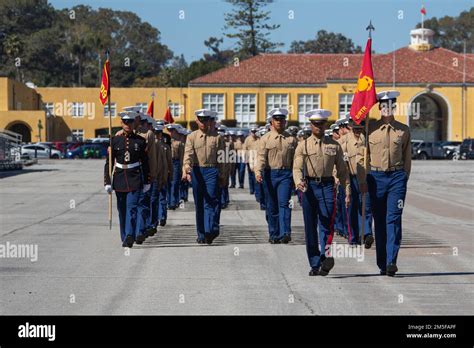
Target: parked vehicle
pixel 88 151
pixel 451 149
pixel 414 147
pixel 466 149
pixel 430 150
pixel 40 151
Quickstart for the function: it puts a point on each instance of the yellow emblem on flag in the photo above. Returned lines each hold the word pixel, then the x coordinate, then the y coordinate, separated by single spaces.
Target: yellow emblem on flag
pixel 364 83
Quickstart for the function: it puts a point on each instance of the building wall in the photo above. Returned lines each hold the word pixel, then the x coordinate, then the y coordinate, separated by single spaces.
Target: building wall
pixel 190 98
pixel 94 117
pixel 15 95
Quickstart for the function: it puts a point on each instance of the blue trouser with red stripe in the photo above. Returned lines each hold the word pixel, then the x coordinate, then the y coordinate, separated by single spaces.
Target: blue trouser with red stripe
pixel 318 215
pixel 127 206
pixel 387 194
pixel 205 182
pixel 355 213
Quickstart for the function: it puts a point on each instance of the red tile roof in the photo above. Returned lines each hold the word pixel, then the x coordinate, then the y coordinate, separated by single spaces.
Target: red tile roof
pixel 435 66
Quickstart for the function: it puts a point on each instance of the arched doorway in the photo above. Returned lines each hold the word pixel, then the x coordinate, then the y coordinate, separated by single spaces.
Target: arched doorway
pixel 429 119
pixel 22 129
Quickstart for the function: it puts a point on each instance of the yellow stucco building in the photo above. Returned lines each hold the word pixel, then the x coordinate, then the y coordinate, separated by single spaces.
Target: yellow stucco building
pixel 436 94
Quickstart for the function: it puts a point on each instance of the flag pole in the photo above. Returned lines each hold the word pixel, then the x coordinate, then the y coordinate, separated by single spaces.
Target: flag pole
pixel 110 142
pixel 366 152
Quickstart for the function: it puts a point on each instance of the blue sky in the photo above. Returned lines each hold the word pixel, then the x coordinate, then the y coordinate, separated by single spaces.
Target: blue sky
pixel 204 18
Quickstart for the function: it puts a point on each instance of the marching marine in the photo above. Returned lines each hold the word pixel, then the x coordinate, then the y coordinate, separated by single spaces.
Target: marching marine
pixel 177 152
pixel 250 148
pixel 315 159
pixel 201 167
pixel 130 176
pixel 353 147
pixel 390 165
pixel 274 169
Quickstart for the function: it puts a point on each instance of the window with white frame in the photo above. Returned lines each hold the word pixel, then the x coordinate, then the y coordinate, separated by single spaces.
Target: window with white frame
pixel 144 107
pixel 276 101
pixel 306 102
pixel 77 109
pixel 113 109
pixel 78 134
pixel 175 109
pixel 345 102
pixel 214 102
pixel 245 108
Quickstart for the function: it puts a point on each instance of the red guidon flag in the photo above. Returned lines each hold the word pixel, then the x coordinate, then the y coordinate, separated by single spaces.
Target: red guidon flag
pixel 149 111
pixel 364 96
pixel 105 85
pixel 168 118
pixel 423 10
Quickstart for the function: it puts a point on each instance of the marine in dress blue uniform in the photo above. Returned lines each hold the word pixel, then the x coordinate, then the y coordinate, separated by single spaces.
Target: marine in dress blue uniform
pixel 130 176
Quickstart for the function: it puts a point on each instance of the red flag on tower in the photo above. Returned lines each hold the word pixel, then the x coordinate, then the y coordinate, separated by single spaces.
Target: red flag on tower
pixel 423 10
pixel 105 85
pixel 364 96
pixel 168 118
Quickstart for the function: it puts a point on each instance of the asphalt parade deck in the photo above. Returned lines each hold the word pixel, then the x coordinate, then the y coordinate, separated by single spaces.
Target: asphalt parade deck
pixel 61 207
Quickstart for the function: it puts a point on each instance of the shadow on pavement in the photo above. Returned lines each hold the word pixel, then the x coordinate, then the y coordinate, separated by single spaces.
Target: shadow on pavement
pixel 404 275
pixel 8 173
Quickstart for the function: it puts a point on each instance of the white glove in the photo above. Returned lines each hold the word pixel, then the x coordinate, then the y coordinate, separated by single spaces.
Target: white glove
pixel 108 188
pixel 146 187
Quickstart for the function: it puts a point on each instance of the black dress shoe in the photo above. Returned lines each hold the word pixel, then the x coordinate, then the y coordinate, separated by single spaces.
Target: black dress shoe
pixel 392 269
pixel 274 241
pixel 140 239
pixel 383 272
pixel 199 241
pixel 368 241
pixel 232 186
pixel 286 238
pixel 128 243
pixel 172 207
pixel 208 240
pixel 151 231
pixel 314 272
pixel 326 266
pixel 163 222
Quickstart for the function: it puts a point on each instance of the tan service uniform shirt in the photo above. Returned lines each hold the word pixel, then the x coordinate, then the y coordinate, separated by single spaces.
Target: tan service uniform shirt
pixel 251 149
pixel 202 150
pixel 353 151
pixel 177 149
pixel 317 158
pixel 389 146
pixel 275 151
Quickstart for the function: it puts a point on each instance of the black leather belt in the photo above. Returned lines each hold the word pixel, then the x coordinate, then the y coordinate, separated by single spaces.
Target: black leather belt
pixel 321 179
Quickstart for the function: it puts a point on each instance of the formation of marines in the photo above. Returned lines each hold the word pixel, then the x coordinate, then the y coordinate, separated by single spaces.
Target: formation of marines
pixel 329 169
